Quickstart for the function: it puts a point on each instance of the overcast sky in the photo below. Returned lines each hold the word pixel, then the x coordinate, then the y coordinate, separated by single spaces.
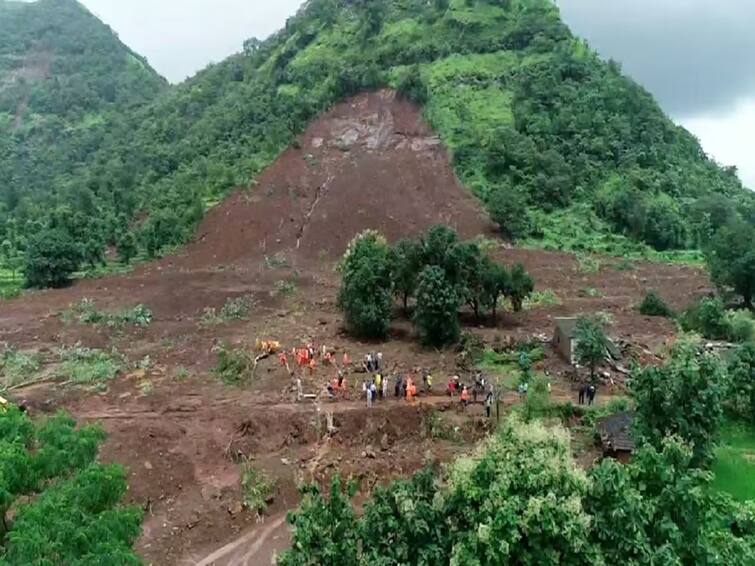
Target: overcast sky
pixel 696 56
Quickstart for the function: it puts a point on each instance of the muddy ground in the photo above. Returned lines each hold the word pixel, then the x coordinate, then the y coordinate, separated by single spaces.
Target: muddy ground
pixel 370 162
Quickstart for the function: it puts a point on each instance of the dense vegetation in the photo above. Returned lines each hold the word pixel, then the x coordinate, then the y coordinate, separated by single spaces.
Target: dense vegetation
pixel 521 499
pixel 559 144
pixel 438 270
pixel 57 505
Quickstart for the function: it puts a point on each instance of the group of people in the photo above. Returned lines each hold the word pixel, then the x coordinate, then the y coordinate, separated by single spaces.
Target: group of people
pixel 479 388
pixel 587 394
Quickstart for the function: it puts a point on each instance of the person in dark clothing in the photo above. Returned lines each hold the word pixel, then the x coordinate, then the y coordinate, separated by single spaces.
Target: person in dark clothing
pixel 582 391
pixel 488 403
pixel 398 386
pixel 591 394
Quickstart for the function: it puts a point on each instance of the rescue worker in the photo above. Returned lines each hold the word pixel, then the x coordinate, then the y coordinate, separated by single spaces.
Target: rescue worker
pixel 346 359
pixel 379 384
pixel 464 398
pixel 386 387
pixel 398 386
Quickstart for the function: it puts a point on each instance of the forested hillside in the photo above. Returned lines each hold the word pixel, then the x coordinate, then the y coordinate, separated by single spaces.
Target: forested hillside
pixel 559 145
pixel 62 72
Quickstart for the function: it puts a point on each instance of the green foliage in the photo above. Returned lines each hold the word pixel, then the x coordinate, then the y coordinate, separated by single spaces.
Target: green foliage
pixel 406 263
pixel 86 312
pixel 591 342
pixel 325 529
pixel 233 309
pixel 436 317
pixel 366 286
pixel 17 366
pixel 256 487
pixel 708 318
pixel 659 510
pixel 52 256
pixel 509 210
pixel 57 506
pixel 740 326
pixel 741 394
pixel 520 287
pixel 653 305
pixel 235 366
pixel 128 248
pixel 734 469
pixel 683 397
pixel 496 283
pixel 538 125
pixel 88 366
pixel 731 259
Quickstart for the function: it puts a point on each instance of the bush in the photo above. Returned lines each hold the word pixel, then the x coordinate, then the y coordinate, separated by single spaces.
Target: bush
pixel 653 305
pixel 740 326
pixel 707 318
pixel 508 208
pixel 17 366
pixel 87 365
pixel 256 487
pixel 234 366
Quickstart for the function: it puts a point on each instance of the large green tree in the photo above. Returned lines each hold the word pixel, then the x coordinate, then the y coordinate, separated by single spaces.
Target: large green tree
pixel 406 263
pixel 520 286
pixel 683 397
pixel 52 256
pixel 436 317
pixel 731 259
pixel 741 394
pixel 366 288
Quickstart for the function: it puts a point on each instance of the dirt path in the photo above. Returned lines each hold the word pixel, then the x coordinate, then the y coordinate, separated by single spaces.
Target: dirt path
pixel 256 547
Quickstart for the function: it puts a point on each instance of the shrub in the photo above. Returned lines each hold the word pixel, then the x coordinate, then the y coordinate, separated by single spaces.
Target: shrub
pixel 740 326
pixel 653 305
pixel 708 318
pixel 257 488
pixel 87 365
pixel 234 365
pixel 17 366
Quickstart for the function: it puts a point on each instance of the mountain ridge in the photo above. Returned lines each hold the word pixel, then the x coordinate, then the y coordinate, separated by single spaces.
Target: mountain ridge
pixel 561 147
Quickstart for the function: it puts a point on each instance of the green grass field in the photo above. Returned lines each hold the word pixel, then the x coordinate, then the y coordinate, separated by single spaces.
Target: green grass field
pixel 10 285
pixel 735 462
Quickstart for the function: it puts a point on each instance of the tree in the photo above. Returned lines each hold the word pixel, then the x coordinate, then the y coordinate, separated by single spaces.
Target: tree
pixel 127 247
pixel 683 397
pixel 366 289
pixel 406 263
pixel 325 530
pixel 658 509
pixel 436 316
pixel 52 256
pixel 708 318
pixel 508 208
pixel 590 343
pixel 437 244
pixel 731 259
pixel 520 287
pixel 464 267
pixel 741 393
pixel 495 283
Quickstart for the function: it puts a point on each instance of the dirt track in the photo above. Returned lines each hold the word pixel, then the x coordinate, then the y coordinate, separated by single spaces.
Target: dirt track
pixel 370 162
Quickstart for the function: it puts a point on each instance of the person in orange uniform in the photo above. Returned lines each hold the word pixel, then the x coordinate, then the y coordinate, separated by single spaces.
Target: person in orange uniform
pixel 464 398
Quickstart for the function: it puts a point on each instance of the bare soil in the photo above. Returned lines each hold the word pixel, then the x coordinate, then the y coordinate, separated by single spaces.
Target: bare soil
pixel 369 162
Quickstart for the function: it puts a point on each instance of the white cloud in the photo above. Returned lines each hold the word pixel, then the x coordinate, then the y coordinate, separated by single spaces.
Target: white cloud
pixel 180 37
pixel 729 137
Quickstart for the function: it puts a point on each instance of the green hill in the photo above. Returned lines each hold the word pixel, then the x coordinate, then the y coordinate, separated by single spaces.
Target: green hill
pixel 561 147
pixel 62 71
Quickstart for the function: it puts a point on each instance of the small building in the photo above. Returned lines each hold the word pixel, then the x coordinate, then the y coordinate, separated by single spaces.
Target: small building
pixel 615 433
pixel 563 338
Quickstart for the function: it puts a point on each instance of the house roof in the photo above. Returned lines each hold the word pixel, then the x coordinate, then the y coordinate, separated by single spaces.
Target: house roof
pixel 567 326
pixel 615 431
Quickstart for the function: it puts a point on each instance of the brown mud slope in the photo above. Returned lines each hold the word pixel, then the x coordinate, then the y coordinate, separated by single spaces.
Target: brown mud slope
pixel 370 162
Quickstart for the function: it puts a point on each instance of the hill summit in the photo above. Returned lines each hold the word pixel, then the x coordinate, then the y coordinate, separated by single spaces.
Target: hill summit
pixel 558 144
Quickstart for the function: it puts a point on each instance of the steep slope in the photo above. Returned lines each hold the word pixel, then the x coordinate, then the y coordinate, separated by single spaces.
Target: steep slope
pixel 62 71
pixel 559 144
